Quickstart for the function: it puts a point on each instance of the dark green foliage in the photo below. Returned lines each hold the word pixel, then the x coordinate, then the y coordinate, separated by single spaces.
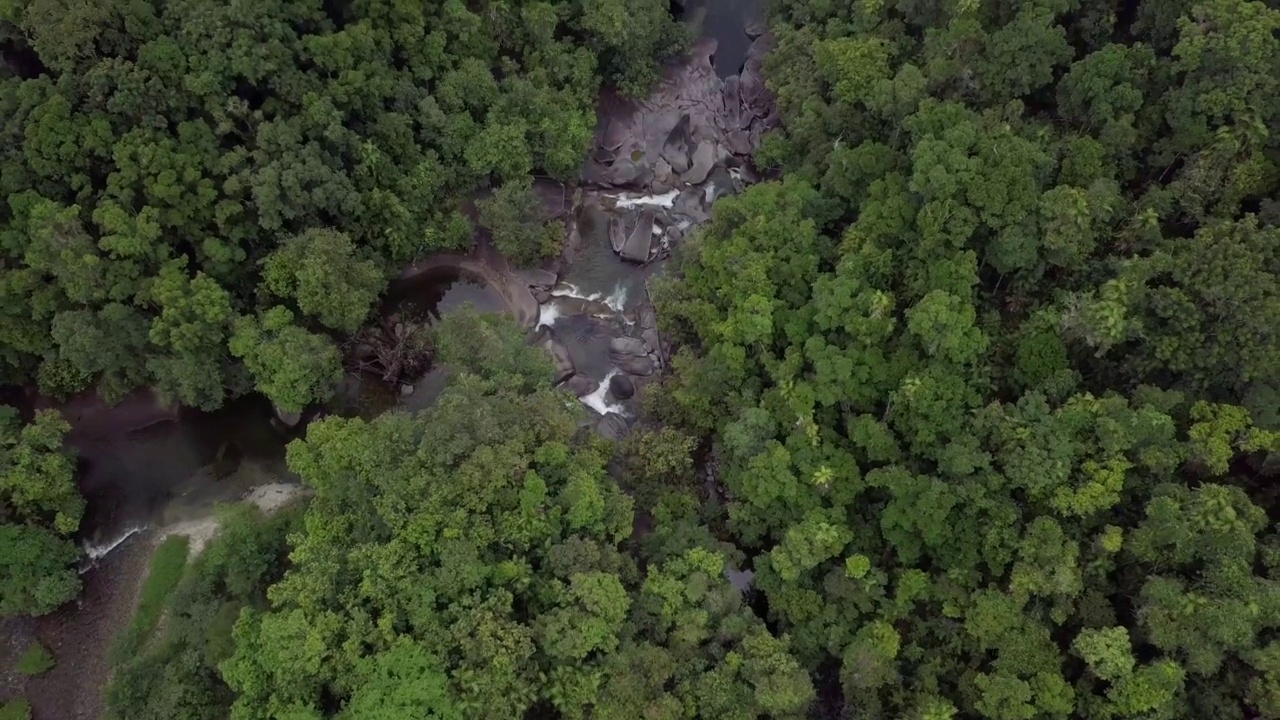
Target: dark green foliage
pixel 17 709
pixel 37 660
pixel 515 216
pixel 167 169
pixel 40 509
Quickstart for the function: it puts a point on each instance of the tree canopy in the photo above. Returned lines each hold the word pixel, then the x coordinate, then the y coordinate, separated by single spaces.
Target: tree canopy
pixel 974 409
pixel 40 509
pixel 990 376
pixel 170 168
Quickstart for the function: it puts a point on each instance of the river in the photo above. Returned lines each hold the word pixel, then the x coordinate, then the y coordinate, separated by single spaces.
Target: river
pixel 173 471
pixel 655 168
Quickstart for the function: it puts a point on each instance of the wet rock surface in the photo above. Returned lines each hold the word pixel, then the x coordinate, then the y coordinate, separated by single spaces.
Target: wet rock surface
pixel 621 387
pixel 656 166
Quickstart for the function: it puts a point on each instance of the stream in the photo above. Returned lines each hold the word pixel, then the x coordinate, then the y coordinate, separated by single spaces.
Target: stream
pixel 655 168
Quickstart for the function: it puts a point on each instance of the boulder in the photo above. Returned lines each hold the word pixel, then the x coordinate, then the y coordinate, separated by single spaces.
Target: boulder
pixel 636 248
pixel 555 197
pixel 537 278
pixel 689 204
pixel 675 149
pixel 642 366
pixel 617 236
pixel 621 387
pixel 662 173
pixel 612 427
pixel 288 419
pixel 651 338
pixel 648 317
pixel 560 358
pixel 732 102
pixel 755 29
pixel 739 141
pixel 406 390
pixel 580 385
pixel 616 133
pixel 623 347
pixel 704 159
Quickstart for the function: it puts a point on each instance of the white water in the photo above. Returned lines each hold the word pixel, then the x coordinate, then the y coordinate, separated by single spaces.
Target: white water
pixel 666 200
pixel 95 552
pixel 615 300
pixel 548 314
pixel 596 400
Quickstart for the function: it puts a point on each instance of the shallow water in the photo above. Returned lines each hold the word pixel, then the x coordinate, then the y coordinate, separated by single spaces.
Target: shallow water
pixel 169 470
pixel 433 294
pixel 130 481
pixel 726 21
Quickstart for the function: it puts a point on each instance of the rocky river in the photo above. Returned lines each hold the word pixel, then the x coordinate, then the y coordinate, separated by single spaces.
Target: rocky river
pixel 655 168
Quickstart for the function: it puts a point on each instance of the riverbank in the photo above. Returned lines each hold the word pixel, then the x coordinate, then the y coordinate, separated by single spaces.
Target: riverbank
pixel 655 168
pixel 80 636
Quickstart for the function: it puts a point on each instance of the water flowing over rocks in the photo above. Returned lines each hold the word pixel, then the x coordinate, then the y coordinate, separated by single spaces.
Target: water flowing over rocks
pixel 656 166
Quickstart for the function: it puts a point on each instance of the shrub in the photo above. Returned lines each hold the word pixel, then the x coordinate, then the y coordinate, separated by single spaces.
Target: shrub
pixel 37 660
pixel 167 566
pixel 16 709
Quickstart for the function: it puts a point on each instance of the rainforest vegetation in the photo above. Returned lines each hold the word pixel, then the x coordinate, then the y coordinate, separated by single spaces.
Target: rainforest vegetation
pixel 982 386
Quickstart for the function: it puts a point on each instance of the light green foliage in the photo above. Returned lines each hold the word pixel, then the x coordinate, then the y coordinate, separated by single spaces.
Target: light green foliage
pixel 403 681
pixel 994 426
pixel 164 574
pixel 176 676
pixel 455 519
pixel 657 462
pixel 37 475
pixel 36 660
pixel 985 382
pixel 192 324
pixel 1107 651
pixel 291 366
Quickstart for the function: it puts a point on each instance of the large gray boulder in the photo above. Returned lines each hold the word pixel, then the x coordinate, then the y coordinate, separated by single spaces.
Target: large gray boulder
pixel 612 427
pixel 560 358
pixel 580 385
pixel 639 242
pixel 537 277
pixel 617 234
pixel 704 159
pixel 624 347
pixel 621 387
pixel 642 366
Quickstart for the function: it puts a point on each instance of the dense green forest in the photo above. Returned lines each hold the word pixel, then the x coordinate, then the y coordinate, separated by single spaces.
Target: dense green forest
pixel 201 195
pixel 983 387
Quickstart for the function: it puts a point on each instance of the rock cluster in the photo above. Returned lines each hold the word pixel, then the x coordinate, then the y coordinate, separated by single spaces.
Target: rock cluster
pixel 691 123
pixel 675 152
pixel 655 169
